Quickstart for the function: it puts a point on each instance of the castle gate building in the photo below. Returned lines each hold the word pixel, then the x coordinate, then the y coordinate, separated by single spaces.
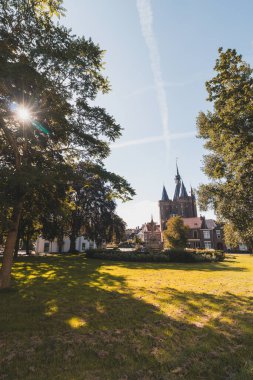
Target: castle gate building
pixel 182 204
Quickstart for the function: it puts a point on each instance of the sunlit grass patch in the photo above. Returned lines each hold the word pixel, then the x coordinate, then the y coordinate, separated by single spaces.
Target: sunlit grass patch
pixel 72 318
pixel 51 308
pixel 76 322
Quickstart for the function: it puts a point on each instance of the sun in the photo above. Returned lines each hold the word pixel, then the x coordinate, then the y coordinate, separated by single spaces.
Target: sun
pixel 23 113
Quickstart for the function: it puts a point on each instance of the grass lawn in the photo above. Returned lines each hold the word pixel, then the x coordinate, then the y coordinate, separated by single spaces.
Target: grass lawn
pixel 74 318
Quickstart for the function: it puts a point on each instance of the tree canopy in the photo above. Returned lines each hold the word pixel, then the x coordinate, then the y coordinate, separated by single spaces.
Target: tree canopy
pixel 231 235
pixel 176 233
pixel 48 80
pixel 89 207
pixel 228 134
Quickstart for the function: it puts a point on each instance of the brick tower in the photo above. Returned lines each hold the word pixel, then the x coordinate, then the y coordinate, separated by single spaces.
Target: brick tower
pixel 182 204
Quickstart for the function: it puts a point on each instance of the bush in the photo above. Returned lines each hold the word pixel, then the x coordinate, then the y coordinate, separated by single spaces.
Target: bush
pixel 212 255
pixel 128 256
pixel 179 256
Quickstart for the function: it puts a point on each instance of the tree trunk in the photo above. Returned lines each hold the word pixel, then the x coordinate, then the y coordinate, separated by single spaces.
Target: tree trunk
pixel 60 245
pixel 72 248
pixel 27 245
pixel 5 272
pixel 99 243
pixel 17 246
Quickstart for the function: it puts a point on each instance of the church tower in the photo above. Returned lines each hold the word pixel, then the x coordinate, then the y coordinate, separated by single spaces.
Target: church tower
pixel 182 204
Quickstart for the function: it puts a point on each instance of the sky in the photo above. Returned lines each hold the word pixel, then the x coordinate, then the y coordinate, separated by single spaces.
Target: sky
pixel 158 56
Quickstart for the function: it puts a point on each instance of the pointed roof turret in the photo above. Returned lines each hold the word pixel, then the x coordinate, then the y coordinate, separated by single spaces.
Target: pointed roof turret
pixel 177 177
pixel 183 192
pixel 192 194
pixel 178 185
pixel 164 194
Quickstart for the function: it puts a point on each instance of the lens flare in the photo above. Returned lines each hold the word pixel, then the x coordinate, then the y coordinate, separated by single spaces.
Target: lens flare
pixel 23 113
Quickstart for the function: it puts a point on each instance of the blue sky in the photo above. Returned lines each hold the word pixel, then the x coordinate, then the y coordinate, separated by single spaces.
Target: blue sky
pixel 158 56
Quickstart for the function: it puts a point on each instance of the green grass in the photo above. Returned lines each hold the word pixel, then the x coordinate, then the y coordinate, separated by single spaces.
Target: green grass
pixel 73 318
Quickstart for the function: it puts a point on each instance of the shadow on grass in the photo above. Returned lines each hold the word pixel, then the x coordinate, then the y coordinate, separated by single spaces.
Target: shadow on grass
pixel 69 319
pixel 201 267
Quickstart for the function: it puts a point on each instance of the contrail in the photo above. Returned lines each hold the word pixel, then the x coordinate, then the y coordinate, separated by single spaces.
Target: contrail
pixel 146 21
pixel 142 90
pixel 147 140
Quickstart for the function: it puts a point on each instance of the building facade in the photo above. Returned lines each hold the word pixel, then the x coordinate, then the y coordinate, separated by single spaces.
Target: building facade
pixel 150 235
pixel 46 246
pixel 206 234
pixel 182 204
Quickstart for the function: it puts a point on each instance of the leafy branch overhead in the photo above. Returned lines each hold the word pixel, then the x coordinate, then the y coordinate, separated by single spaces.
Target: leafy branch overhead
pixel 49 125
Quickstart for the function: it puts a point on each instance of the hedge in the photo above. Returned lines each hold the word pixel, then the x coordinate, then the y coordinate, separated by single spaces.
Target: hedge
pixel 161 257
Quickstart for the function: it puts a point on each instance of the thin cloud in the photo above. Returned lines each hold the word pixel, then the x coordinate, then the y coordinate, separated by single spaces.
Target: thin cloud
pixel 152 139
pixel 146 21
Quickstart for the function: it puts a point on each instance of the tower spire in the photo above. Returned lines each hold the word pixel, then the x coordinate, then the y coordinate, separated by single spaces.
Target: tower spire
pixel 183 192
pixel 178 183
pixel 164 194
pixel 177 175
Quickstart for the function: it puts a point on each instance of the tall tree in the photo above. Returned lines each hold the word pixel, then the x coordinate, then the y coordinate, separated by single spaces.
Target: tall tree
pixel 56 223
pixel 117 229
pixel 228 135
pixel 95 192
pixel 89 208
pixel 231 235
pixel 176 233
pixel 48 78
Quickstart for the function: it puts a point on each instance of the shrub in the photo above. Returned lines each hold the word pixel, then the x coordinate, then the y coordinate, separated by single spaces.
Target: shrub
pixel 179 256
pixel 128 256
pixel 212 255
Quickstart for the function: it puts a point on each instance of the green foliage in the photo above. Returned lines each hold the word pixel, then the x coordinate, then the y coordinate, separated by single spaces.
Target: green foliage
pixel 137 240
pixel 47 7
pixel 228 135
pixel 55 75
pixel 177 256
pixel 89 207
pixel 94 212
pixel 116 230
pixel 127 256
pixel 231 235
pixel 176 233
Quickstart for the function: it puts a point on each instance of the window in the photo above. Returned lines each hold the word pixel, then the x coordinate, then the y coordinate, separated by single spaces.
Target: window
pixel 218 234
pixel 208 244
pixel 195 234
pixel 206 234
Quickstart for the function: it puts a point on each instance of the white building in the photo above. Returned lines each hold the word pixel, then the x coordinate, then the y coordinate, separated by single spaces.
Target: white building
pixel 43 245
